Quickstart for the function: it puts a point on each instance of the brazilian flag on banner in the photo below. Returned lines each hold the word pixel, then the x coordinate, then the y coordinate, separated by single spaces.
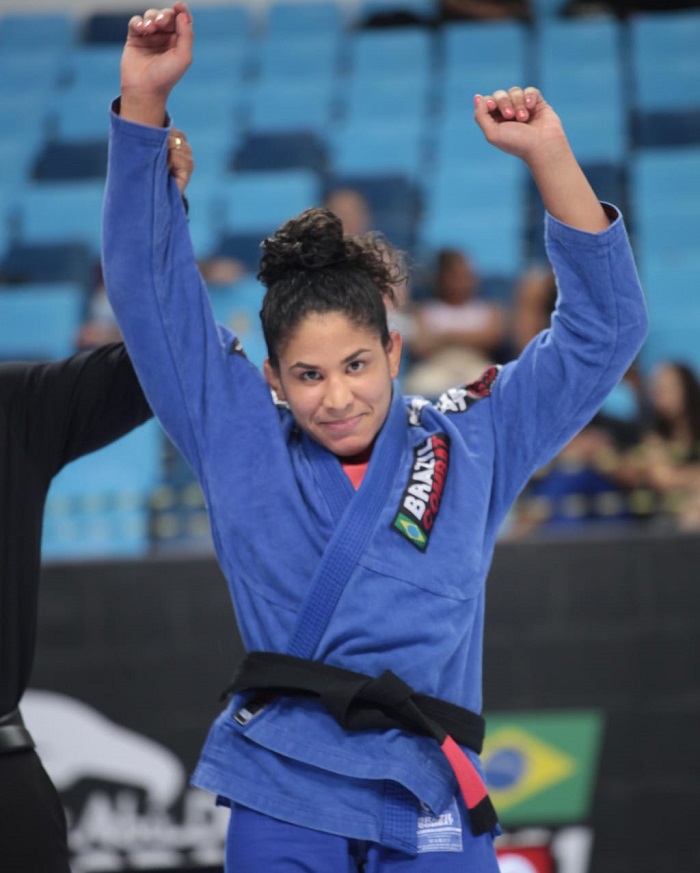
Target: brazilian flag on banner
pixel 541 767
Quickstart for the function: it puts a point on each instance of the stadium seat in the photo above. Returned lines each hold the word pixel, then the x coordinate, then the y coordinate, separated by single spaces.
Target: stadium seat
pixel 478 57
pixel 322 18
pixel 386 99
pixel 291 105
pixel 298 57
pixel 53 212
pixel 280 151
pixel 260 200
pixel 394 203
pixel 229 23
pixel 237 307
pixel 99 504
pixel 380 149
pixel 62 262
pixel 48 32
pixel 40 321
pixel 87 67
pixel 665 62
pixel 65 160
pixel 378 52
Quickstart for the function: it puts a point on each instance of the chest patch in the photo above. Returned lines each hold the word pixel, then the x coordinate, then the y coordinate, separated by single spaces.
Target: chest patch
pixel 421 499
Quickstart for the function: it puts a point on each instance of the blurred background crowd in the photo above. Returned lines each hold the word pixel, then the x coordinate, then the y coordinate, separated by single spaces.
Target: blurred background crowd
pixel 367 107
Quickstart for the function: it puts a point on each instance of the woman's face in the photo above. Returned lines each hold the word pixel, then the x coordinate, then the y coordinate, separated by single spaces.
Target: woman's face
pixel 667 393
pixel 337 379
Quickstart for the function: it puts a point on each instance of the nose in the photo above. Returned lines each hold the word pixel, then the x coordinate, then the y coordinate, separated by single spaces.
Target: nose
pixel 338 396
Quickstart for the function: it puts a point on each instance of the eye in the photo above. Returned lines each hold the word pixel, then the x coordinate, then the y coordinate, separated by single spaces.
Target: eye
pixel 356 366
pixel 310 376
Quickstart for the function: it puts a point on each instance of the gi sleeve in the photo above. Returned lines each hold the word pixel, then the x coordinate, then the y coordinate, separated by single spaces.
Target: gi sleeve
pixel 561 379
pixel 158 295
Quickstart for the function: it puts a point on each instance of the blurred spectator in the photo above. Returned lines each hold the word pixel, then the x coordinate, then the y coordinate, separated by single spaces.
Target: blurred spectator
pixel 624 8
pixel 352 209
pixel 100 326
pixel 456 334
pixel 580 486
pixel 531 309
pixel 668 458
pixel 483 10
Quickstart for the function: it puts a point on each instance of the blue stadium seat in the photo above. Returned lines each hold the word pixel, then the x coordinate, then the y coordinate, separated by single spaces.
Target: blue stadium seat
pixel 87 67
pixel 380 149
pixel 33 72
pixel 323 18
pixel 40 321
pixel 394 203
pixel 230 23
pixel 65 160
pixel 479 57
pixel 462 212
pixel 665 60
pixel 76 114
pixel 62 262
pixel 291 105
pixel 46 31
pixel 237 307
pixel 260 200
pixel 52 212
pixel 280 151
pixel 298 57
pixel 376 52
pixel 99 504
pixel 386 98
pixel 219 63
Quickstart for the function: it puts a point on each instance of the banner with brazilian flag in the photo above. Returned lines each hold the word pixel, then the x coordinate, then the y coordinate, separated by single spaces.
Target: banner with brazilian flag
pixel 540 767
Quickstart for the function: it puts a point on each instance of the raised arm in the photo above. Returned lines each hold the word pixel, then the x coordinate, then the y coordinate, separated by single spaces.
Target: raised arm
pixel 520 122
pixel 561 378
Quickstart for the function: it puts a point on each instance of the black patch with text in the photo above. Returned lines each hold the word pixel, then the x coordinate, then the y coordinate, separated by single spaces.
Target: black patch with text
pixel 421 500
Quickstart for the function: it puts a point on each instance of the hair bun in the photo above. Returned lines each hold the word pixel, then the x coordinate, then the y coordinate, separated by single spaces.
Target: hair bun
pixel 311 241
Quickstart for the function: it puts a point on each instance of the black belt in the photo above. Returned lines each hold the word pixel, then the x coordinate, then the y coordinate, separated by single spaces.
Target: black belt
pixel 360 702
pixel 13 734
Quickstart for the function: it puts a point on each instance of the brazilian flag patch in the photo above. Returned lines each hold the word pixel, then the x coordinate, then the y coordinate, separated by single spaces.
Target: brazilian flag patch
pixel 421 500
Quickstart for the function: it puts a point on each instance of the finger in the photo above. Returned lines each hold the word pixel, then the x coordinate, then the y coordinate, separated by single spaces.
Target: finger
pixel 483 109
pixel 183 26
pixel 517 99
pixel 532 97
pixel 504 104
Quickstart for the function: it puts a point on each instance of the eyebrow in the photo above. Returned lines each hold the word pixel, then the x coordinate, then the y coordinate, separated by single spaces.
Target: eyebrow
pixel 300 365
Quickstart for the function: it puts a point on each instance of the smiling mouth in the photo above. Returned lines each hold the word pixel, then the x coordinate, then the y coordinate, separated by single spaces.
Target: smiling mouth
pixel 342 425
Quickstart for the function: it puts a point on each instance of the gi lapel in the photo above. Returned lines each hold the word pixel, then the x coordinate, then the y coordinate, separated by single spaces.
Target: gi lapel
pixel 357 514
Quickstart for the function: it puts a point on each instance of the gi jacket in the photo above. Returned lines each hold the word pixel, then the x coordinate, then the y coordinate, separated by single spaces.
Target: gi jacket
pixel 387 577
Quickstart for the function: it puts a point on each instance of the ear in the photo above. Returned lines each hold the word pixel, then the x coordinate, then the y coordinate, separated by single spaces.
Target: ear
pixel 273 380
pixel 393 352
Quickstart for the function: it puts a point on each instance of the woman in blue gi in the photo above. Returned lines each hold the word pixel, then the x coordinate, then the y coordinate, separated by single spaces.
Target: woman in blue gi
pixel 355 526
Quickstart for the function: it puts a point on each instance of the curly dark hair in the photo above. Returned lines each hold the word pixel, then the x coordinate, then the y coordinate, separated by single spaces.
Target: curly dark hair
pixel 310 266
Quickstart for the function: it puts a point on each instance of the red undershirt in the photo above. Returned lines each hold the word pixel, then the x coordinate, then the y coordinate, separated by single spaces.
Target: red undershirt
pixel 356 466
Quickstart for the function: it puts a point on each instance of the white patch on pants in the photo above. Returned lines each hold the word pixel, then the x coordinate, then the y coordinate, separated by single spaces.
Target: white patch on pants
pixel 440 833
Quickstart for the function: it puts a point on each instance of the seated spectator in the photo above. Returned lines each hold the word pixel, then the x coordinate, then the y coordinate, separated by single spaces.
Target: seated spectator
pixel 532 306
pixel 483 10
pixel 456 334
pixel 352 209
pixel 668 458
pixel 580 486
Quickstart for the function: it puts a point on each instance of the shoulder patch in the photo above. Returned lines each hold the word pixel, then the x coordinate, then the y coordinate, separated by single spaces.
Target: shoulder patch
pixel 236 348
pixel 421 499
pixel 461 399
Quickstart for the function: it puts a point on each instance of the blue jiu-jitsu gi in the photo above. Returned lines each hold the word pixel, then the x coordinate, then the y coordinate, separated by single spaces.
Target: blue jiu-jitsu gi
pixel 390 576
